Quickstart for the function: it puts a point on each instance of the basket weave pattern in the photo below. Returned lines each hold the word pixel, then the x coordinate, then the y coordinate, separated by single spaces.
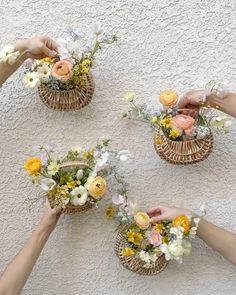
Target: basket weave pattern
pixel 183 152
pixel 134 263
pixel 68 100
pixel 69 207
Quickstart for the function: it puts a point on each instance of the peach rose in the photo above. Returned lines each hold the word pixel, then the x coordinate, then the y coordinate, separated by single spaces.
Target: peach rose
pixel 155 238
pixel 142 220
pixel 62 70
pixel 184 122
pixel 168 98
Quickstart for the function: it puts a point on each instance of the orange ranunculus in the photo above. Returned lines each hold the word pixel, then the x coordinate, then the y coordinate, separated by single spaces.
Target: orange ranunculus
pixel 142 220
pixel 33 166
pixel 183 221
pixel 62 70
pixel 168 98
pixel 184 122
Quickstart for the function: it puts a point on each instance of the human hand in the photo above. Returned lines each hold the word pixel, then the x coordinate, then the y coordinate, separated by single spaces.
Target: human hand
pixel 165 212
pixel 50 216
pixel 193 99
pixel 37 48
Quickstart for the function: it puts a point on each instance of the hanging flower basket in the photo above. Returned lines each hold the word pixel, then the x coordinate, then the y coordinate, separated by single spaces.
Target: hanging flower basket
pixel 182 152
pixel 134 263
pixel 68 100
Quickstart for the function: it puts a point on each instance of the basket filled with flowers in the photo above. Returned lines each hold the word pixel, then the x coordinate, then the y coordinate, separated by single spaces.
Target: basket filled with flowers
pixel 77 181
pixel 145 248
pixel 182 136
pixel 66 83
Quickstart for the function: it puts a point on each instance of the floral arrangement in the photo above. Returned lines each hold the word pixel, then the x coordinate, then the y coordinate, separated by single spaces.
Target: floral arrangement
pixel 74 185
pixel 9 55
pixel 148 241
pixel 69 70
pixel 179 124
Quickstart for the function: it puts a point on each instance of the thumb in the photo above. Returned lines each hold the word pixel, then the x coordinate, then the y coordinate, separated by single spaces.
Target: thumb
pixel 48 52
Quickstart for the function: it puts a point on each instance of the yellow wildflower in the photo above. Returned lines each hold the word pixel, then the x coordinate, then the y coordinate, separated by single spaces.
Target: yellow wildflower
pixel 33 166
pixel 175 133
pixel 159 141
pixel 154 119
pixel 127 252
pixel 47 60
pixel 134 238
pixel 165 240
pixel 166 122
pixel 159 227
pixel 110 211
pixel 71 184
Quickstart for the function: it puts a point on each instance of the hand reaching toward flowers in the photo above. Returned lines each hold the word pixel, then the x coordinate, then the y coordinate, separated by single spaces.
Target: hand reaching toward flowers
pixel 217 238
pixel 194 99
pixel 16 274
pixel 12 57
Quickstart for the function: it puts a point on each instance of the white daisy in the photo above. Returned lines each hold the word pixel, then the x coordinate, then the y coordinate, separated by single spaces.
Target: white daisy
pixel 31 80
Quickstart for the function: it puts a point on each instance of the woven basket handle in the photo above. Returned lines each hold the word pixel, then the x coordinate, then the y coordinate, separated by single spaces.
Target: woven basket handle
pixel 75 164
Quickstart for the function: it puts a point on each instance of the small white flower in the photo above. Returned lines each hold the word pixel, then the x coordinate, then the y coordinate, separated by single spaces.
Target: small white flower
pixel 31 80
pixel 118 199
pixel 148 258
pixel 97 29
pixel 203 208
pixel 9 55
pixel 130 96
pixel 47 184
pixel 177 231
pixel 102 161
pixel 124 155
pixel 44 71
pixel 80 196
pixel 80 174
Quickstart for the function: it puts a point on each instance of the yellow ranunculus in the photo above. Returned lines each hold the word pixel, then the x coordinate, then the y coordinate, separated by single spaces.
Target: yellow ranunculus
pixel 127 252
pixel 142 220
pixel 96 186
pixel 168 98
pixel 134 237
pixel 33 166
pixel 183 221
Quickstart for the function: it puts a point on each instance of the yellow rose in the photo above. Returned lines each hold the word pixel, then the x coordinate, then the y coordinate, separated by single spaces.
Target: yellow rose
pixel 182 221
pixel 127 252
pixel 33 166
pixel 142 220
pixel 96 186
pixel 168 98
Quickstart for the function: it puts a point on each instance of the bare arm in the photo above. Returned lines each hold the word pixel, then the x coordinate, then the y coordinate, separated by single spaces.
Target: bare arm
pixel 217 238
pixel 35 48
pixel 17 272
pixel 192 99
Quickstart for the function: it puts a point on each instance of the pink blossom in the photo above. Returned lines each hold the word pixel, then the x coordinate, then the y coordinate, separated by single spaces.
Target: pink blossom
pixel 155 238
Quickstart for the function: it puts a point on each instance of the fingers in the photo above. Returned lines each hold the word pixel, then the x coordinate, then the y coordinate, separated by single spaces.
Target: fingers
pixel 154 211
pixel 159 218
pixel 48 52
pixel 57 210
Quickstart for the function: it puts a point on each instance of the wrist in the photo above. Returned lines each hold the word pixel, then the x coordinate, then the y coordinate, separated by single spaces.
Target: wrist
pixel 22 47
pixel 45 228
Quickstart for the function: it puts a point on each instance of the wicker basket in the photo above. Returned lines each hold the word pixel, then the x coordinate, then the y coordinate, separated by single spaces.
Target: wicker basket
pixel 183 152
pixel 69 207
pixel 134 263
pixel 70 100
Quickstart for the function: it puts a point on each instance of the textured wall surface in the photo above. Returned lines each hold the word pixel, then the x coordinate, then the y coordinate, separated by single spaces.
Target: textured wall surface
pixel 163 44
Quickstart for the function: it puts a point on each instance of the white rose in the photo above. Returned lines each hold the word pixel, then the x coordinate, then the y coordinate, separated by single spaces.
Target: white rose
pixel 176 249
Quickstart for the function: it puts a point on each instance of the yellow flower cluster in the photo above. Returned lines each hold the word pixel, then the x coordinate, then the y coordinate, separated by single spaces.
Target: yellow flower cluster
pixel 166 122
pixel 71 184
pixel 175 133
pixel 134 237
pixel 159 227
pixel 127 252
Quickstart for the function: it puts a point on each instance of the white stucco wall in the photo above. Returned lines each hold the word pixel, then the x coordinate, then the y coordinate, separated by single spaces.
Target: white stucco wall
pixel 177 44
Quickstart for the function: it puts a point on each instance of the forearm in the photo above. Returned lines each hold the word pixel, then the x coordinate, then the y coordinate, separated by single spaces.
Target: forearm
pixel 226 104
pixel 218 239
pixel 18 271
pixel 6 70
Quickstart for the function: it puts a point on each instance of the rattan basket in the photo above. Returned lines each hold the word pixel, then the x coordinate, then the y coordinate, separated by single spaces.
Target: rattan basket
pixel 134 263
pixel 182 152
pixel 70 100
pixel 69 207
